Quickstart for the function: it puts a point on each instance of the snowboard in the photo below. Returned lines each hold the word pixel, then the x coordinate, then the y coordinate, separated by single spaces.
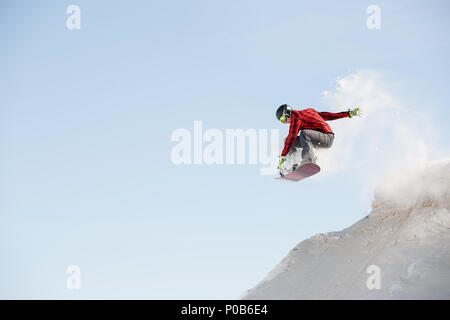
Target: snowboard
pixel 302 172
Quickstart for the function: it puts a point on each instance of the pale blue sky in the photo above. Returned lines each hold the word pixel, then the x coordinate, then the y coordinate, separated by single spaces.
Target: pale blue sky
pixel 87 115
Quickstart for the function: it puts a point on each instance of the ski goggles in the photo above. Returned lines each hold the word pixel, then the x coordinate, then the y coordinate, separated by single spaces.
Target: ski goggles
pixel 283 119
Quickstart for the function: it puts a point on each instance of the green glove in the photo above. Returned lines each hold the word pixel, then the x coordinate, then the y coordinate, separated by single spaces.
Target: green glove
pixel 354 112
pixel 282 160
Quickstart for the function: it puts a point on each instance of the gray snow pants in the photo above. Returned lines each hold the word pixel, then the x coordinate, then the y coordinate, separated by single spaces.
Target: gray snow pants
pixel 307 140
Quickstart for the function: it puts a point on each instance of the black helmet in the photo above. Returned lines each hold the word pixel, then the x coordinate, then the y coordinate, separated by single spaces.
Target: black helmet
pixel 284 111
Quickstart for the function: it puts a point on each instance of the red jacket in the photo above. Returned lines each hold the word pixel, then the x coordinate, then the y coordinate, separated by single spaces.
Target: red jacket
pixel 309 119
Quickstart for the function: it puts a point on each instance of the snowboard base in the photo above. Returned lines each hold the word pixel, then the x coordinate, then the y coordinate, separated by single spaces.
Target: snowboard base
pixel 302 172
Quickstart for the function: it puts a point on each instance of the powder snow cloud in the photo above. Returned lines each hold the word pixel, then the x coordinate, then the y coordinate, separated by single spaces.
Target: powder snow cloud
pixel 390 136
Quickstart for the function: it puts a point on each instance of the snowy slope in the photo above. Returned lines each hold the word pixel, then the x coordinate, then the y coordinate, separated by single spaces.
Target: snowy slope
pixel 407 236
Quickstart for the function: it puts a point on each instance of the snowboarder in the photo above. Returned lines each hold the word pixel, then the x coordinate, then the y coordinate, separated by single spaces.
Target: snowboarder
pixel 307 130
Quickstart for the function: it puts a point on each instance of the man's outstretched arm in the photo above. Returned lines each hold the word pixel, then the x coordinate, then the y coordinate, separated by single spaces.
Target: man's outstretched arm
pixel 333 116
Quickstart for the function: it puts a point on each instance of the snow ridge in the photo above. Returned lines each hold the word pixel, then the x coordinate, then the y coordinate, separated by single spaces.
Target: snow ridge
pixel 407 236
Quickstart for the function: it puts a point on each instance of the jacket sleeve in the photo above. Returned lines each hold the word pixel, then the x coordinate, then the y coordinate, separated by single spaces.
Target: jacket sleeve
pixel 293 131
pixel 333 116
